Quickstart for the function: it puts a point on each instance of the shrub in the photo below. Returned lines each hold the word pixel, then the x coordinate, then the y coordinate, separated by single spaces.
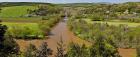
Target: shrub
pixel 123 36
pixel 44 51
pixel 76 50
pixel 61 49
pixel 103 48
pixel 31 51
pixel 46 25
pixel 138 51
pixel 7 44
pixel 24 32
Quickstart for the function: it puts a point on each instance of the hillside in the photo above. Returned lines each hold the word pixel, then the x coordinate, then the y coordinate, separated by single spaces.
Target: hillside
pixel 16 11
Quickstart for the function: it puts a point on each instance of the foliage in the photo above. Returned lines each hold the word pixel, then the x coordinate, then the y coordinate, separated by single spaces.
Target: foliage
pixel 44 10
pixel 31 51
pixel 60 49
pixel 103 48
pixel 46 25
pixel 138 51
pixel 24 31
pixel 16 11
pixel 123 36
pixel 44 51
pixel 8 46
pixel 3 29
pixel 76 50
pixel 97 12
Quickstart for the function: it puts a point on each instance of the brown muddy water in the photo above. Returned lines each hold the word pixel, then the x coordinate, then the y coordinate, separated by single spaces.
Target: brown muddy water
pixel 62 31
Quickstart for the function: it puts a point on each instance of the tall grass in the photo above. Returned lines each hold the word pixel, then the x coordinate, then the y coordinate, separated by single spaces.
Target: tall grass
pixel 24 30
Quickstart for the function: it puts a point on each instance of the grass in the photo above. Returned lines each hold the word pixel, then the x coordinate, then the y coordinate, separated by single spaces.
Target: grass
pixel 22 19
pixel 23 29
pixel 116 23
pixel 10 24
pixel 15 11
pixel 33 26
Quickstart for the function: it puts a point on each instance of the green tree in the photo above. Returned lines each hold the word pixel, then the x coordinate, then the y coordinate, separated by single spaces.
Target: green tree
pixel 76 50
pixel 60 49
pixel 31 51
pixel 138 51
pixel 0 10
pixel 44 10
pixel 102 48
pixel 7 44
pixel 44 51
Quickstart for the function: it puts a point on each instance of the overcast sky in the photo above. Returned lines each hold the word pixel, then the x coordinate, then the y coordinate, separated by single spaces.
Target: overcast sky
pixel 71 1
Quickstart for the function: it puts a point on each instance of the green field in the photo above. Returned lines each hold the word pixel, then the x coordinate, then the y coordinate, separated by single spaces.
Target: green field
pixel 15 11
pixel 34 26
pixel 22 19
pixel 23 29
pixel 116 23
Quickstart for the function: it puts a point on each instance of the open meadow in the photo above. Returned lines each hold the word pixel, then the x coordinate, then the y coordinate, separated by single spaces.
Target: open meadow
pixel 23 30
pixel 115 23
pixel 16 11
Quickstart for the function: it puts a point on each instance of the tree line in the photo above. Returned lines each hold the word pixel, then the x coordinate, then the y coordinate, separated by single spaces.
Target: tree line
pixel 99 12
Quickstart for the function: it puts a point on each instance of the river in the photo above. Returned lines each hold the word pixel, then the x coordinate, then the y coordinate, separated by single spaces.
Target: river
pixel 61 31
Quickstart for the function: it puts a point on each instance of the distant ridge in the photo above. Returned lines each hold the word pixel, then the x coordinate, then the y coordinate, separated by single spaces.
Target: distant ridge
pixel 6 4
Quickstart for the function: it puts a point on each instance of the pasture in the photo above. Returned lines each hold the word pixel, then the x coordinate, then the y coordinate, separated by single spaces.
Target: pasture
pixel 22 19
pixel 15 11
pixel 23 30
pixel 116 23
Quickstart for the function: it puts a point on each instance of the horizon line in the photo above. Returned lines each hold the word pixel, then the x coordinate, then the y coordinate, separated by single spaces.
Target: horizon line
pixel 65 2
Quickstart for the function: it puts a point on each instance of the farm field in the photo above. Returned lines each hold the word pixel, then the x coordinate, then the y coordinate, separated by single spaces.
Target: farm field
pixel 33 26
pixel 23 29
pixel 22 20
pixel 16 11
pixel 116 23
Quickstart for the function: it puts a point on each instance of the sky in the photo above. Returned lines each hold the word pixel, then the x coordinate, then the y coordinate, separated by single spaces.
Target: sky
pixel 72 1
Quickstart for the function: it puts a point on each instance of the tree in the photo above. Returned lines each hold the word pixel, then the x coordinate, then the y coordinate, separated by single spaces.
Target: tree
pixel 31 51
pixel 7 44
pixel 76 50
pixel 138 47
pixel 0 10
pixel 102 48
pixel 3 29
pixel 60 49
pixel 45 27
pixel 48 9
pixel 44 51
pixel 138 51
